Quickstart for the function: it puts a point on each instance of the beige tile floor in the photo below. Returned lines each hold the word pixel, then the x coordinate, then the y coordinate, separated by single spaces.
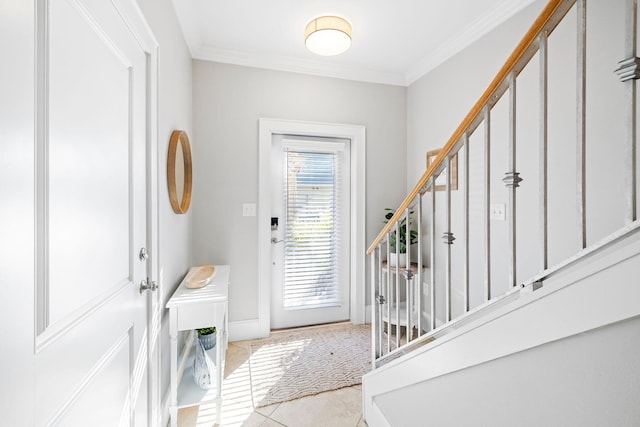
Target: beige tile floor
pixel 339 408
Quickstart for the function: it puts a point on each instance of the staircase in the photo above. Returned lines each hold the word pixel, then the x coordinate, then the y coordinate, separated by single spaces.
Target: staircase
pixel 522 313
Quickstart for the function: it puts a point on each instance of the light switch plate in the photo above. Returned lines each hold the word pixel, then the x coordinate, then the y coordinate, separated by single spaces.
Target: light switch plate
pixel 248 209
pixel 497 211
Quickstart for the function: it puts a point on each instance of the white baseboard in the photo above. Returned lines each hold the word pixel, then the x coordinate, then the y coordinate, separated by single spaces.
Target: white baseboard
pixel 250 329
pixel 244 330
pixel 367 314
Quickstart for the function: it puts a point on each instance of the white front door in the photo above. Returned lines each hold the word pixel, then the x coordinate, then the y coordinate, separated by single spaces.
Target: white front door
pixel 91 345
pixel 310 204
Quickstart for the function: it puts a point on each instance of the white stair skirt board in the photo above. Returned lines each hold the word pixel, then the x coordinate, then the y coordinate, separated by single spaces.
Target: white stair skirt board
pixel 588 379
pixel 377 418
pixel 593 293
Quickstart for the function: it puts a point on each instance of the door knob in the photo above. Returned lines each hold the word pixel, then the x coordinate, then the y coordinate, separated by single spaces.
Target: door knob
pixel 148 285
pixel 274 240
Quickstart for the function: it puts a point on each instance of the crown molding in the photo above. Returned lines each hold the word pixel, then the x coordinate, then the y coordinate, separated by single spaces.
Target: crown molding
pixel 296 65
pixel 186 15
pixel 479 28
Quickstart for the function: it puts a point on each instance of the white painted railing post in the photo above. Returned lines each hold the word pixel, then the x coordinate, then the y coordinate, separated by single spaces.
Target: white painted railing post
pixel 487 203
pixel 544 113
pixel 465 223
pixel 432 279
pixel 581 130
pixel 420 255
pixel 629 72
pixel 408 274
pixel 512 182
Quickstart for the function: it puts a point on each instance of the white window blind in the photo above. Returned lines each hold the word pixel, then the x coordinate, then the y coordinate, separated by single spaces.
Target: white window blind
pixel 311 260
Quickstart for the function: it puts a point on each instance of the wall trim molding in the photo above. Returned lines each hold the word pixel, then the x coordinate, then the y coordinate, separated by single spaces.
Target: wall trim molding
pixel 187 16
pixel 242 330
pixel 297 65
pixel 473 33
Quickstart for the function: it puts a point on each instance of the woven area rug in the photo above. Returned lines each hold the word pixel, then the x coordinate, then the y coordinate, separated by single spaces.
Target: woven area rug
pixel 297 363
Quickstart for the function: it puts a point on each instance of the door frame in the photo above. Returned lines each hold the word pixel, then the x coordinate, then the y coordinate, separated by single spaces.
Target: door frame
pixel 357 135
pixel 139 27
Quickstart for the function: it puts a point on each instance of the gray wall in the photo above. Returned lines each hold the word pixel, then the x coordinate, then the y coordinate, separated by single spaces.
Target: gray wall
pixel 174 112
pixel 228 100
pixel 438 102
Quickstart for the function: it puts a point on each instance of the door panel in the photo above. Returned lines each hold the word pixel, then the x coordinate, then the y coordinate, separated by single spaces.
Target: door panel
pixel 310 247
pixel 91 349
pixel 100 396
pixel 89 156
pixel 67 366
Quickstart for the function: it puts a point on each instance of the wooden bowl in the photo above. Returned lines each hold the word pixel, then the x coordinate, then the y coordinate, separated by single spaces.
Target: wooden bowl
pixel 200 276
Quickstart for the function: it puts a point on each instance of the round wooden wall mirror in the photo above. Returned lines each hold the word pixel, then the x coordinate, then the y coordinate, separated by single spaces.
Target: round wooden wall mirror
pixel 179 171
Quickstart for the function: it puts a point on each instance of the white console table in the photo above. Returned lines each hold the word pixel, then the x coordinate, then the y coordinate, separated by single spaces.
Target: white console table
pixel 191 309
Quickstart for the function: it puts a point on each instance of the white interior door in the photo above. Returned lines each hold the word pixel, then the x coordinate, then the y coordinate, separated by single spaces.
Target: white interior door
pixel 91 345
pixel 310 230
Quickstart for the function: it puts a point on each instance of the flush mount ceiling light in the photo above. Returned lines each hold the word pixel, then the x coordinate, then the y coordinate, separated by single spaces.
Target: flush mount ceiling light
pixel 328 35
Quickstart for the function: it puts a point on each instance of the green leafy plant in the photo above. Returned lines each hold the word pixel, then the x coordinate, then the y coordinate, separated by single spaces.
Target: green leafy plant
pixel 402 244
pixel 206 331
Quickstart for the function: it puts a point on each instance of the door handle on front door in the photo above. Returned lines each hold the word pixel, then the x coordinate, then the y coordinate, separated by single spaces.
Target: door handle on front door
pixel 275 240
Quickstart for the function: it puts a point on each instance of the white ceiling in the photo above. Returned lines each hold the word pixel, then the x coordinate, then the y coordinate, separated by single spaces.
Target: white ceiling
pixel 394 41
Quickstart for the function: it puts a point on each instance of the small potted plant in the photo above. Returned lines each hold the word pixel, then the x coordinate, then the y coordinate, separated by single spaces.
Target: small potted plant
pixel 207 337
pixel 399 248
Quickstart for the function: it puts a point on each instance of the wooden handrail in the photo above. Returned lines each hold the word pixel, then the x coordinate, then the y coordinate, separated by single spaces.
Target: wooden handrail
pixel 516 57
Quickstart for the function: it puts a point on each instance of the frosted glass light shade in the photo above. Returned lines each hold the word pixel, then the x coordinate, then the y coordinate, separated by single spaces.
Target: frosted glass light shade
pixel 328 35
